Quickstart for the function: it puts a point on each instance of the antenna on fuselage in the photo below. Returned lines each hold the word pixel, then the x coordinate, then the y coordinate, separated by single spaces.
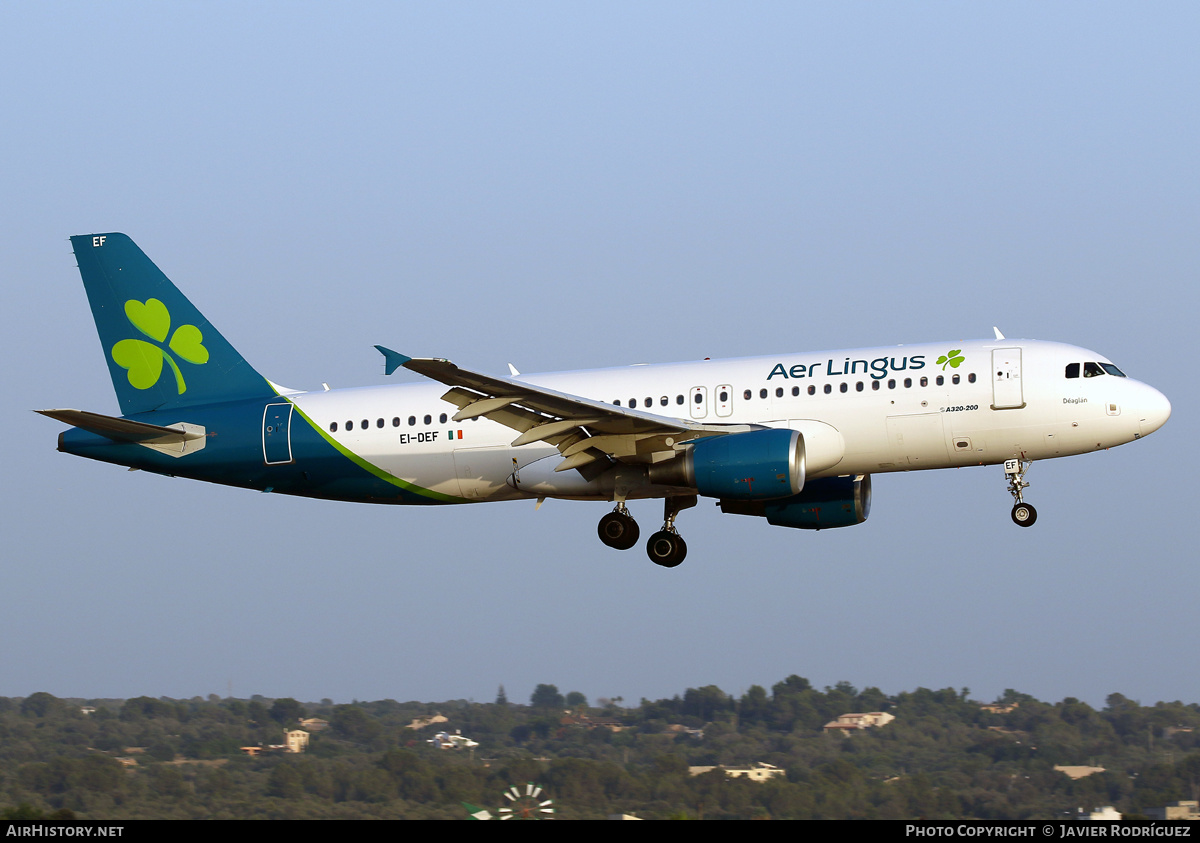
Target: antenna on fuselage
pixel 999 335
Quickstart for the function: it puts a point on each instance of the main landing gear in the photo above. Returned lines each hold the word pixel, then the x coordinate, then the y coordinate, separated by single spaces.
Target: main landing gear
pixel 666 547
pixel 618 529
pixel 1023 514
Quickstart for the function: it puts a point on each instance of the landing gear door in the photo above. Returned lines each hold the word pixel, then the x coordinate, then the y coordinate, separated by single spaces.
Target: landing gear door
pixel 1006 379
pixel 698 402
pixel 277 434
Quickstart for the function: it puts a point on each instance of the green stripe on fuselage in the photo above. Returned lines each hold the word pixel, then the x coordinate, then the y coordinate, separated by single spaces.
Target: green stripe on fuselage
pixel 372 468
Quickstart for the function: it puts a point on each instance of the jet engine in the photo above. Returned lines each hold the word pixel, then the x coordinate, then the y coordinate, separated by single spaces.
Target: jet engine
pixel 823 504
pixel 755 466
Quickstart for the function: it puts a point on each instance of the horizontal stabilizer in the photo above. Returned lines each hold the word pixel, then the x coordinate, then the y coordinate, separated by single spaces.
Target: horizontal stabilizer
pixel 122 430
pixel 175 440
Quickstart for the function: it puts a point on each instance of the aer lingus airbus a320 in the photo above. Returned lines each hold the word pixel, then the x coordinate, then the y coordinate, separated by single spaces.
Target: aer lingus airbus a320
pixel 792 438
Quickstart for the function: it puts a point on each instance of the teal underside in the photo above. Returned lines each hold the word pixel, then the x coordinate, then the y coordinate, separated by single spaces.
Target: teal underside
pixel 233 456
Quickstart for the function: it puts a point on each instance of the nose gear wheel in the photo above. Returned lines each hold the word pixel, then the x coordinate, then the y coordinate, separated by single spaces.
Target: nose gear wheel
pixel 1023 514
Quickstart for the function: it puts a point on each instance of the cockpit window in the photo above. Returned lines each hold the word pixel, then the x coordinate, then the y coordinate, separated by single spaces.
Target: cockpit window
pixel 1072 370
pixel 1092 370
pixel 1112 370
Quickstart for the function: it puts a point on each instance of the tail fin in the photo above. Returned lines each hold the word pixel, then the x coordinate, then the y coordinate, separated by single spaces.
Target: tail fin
pixel 162 353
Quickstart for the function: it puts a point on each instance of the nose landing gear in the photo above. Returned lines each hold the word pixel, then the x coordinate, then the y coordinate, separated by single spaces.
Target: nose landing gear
pixel 1023 514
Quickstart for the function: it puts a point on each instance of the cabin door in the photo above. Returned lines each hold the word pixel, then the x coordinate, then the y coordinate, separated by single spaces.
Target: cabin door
pixel 277 434
pixel 1006 379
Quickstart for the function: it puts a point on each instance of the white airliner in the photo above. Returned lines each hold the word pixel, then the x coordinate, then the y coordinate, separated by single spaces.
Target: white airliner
pixel 792 438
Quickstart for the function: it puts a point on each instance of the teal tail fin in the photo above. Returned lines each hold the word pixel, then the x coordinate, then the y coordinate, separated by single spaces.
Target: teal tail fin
pixel 162 353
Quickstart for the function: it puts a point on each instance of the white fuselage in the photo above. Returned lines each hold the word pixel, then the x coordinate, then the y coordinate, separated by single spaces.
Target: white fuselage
pixel 862 411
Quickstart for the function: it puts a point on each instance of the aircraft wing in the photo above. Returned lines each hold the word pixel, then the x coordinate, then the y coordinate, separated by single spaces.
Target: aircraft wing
pixel 584 430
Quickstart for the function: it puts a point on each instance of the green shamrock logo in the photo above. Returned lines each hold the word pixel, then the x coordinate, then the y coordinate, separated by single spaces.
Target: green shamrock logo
pixel 953 359
pixel 145 360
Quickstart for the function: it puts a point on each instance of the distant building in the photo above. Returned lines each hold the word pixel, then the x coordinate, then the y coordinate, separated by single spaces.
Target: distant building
pixel 757 771
pixel 1078 772
pixel 428 720
pixel 295 740
pixel 1108 812
pixel 1000 708
pixel 1186 810
pixel 314 724
pixel 589 722
pixel 445 740
pixel 854 722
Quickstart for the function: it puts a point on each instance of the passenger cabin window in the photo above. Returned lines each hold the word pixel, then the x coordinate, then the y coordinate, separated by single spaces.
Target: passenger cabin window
pixel 664 401
pixel 954 379
pixel 678 399
pixel 747 394
pixel 795 391
pixel 428 419
pixel 617 403
pixel 723 397
pixel 940 380
pixel 843 388
pixel 442 418
pixel 633 403
pixel 762 393
pixel 413 420
pixel 379 422
pixel 395 421
pixel 971 378
pixel 333 427
pixel 1072 370
pixel 891 383
pixel 858 387
pixel 366 424
pixel 779 392
pixel 349 425
pixel 908 383
pixel 924 381
pixel 828 388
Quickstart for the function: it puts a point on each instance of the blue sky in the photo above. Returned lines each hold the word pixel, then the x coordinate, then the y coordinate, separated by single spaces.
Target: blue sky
pixel 565 186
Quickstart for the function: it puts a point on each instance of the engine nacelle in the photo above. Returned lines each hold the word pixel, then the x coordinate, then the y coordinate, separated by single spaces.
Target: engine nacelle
pixel 823 504
pixel 755 466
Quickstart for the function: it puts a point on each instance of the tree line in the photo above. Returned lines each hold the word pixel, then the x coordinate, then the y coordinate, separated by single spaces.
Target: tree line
pixel 944 756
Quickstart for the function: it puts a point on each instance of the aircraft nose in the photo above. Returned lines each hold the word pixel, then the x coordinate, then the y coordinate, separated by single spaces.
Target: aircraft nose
pixel 1154 409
